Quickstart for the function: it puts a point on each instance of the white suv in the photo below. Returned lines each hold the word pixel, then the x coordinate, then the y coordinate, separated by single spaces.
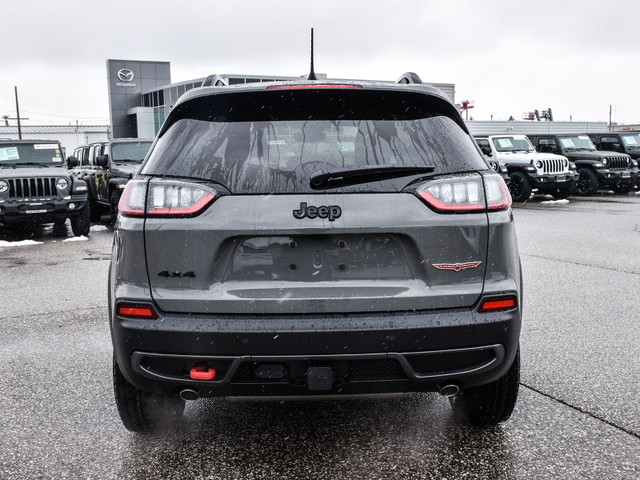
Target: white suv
pixel 528 169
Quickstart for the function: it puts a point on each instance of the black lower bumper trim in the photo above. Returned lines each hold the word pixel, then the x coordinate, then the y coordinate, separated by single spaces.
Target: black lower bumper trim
pixel 432 366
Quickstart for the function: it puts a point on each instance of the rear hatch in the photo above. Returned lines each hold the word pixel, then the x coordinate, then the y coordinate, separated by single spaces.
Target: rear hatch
pixel 246 215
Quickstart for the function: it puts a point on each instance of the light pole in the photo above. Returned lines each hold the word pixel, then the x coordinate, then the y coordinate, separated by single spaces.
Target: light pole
pixel 18 115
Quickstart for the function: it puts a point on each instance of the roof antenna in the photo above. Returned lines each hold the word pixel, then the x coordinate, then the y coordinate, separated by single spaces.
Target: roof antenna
pixel 312 74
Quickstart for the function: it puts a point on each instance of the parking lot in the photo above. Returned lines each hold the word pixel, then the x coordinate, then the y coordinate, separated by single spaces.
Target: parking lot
pixel 578 415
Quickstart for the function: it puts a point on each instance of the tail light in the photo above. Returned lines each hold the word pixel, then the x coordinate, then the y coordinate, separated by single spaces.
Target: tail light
pixel 496 192
pixel 465 194
pixel 165 198
pixel 133 198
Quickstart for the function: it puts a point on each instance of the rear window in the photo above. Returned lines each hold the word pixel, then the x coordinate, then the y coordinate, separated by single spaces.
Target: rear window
pixel 129 151
pixel 273 142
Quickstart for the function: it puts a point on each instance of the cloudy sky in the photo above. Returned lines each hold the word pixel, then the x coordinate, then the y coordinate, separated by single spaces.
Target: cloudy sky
pixel 509 57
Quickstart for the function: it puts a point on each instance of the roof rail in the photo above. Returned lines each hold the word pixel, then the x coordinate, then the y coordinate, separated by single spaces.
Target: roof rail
pixel 409 77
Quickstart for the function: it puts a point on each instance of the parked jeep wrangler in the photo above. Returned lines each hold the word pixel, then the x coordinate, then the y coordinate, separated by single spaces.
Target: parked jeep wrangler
pixel 36 188
pixel 527 169
pixel 622 142
pixel 597 169
pixel 107 167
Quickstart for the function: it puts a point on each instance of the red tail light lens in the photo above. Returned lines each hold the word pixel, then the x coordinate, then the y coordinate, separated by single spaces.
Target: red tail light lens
pixel 165 198
pixel 497 304
pixel 136 311
pixel 454 194
pixel 466 194
pixel 133 199
pixel 168 198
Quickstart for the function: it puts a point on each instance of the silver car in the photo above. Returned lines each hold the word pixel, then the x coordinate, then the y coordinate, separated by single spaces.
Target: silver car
pixel 314 238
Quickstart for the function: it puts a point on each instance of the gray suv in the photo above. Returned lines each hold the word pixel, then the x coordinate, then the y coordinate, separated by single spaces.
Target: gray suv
pixel 314 238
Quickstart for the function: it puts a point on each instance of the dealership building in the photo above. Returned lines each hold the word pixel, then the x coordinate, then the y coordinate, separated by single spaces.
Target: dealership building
pixel 141 93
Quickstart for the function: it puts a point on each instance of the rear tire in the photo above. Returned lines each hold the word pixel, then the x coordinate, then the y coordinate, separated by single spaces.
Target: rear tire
pixel 492 403
pixel 588 183
pixel 519 187
pixel 142 411
pixel 114 199
pixel 81 223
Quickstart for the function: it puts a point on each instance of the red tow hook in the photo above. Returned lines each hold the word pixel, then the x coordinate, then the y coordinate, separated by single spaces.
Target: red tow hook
pixel 202 373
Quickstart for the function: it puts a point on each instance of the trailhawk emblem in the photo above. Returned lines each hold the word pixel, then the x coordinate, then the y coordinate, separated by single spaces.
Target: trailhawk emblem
pixel 456 266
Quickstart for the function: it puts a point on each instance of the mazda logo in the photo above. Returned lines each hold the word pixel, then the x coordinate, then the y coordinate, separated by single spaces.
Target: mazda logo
pixel 125 75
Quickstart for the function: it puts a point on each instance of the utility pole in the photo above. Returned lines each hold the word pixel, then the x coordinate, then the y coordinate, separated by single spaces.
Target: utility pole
pixel 610 118
pixel 18 115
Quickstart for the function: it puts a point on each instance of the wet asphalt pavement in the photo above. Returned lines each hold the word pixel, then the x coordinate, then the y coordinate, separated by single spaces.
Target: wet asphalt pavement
pixel 578 415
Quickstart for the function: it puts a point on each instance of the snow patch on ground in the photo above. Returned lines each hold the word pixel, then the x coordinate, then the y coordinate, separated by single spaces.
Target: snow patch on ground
pixel 21 243
pixel 564 201
pixel 81 238
pixel 98 228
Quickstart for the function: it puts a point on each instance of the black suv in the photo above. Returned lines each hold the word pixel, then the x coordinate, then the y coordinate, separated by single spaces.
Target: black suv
pixel 598 170
pixel 107 167
pixel 36 188
pixel 621 142
pixel 314 238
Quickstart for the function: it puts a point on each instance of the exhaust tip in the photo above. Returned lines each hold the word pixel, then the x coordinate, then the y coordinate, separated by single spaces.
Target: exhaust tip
pixel 449 390
pixel 188 394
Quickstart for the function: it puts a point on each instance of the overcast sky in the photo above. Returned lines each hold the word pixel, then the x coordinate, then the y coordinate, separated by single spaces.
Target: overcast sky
pixel 509 57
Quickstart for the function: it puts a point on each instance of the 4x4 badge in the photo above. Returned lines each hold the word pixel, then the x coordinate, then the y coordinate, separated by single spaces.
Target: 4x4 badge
pixel 331 212
pixel 456 266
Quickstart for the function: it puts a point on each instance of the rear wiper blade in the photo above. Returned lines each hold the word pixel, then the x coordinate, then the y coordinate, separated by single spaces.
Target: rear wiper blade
pixel 355 176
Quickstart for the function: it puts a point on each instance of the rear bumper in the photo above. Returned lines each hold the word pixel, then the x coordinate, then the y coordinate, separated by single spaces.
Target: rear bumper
pixel 41 211
pixel 271 355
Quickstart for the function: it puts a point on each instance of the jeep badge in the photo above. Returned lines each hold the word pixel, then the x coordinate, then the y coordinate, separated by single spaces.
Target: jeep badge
pixel 331 212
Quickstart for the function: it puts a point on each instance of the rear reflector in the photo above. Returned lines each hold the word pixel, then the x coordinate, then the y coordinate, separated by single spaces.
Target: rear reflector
pixel 202 373
pixel 312 86
pixel 496 304
pixel 136 311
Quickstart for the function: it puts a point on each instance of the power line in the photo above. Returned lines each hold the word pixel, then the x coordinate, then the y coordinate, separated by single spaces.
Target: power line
pixel 63 116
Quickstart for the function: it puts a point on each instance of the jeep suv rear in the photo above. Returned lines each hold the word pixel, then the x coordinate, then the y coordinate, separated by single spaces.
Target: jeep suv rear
pixel 314 238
